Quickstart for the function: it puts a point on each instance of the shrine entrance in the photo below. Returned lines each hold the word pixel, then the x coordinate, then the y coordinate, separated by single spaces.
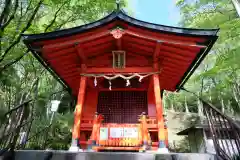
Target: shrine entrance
pixel 122 106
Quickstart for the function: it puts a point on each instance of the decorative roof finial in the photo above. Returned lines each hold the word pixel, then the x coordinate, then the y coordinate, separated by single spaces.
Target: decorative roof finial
pixel 118 4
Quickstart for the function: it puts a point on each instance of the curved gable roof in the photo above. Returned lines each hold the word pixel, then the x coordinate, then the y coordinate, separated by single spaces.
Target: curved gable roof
pixel 178 62
pixel 124 17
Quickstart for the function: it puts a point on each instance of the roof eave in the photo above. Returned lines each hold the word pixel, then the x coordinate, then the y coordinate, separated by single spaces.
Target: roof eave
pixel 124 17
pixel 210 33
pixel 195 64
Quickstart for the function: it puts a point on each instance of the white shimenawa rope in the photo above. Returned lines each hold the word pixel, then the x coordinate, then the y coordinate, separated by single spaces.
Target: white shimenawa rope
pixel 114 76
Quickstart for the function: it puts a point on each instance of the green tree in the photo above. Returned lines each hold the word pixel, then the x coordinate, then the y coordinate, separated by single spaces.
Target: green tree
pixel 22 77
pixel 217 78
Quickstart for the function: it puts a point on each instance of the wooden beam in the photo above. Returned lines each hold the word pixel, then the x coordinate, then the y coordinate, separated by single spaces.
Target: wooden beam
pixel 80 52
pixel 119 43
pixel 156 55
pixel 156 51
pixel 81 40
pixel 125 70
pixel 82 56
pixel 139 55
pixel 165 40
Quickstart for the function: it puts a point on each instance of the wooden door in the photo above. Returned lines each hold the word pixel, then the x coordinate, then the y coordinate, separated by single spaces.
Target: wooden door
pixel 122 106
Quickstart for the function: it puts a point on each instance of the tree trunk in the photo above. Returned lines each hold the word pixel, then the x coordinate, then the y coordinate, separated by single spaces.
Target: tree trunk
pixel 186 106
pixel 236 4
pixel 200 108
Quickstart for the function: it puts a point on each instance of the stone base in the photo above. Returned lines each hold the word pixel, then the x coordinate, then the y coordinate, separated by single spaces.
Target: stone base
pixel 91 150
pixel 66 155
pixel 162 150
pixel 75 149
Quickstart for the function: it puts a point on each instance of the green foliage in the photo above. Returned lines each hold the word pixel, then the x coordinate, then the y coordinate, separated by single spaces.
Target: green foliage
pixel 22 77
pixel 217 79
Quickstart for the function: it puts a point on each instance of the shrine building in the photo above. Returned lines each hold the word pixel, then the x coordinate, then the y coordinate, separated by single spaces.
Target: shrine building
pixel 117 69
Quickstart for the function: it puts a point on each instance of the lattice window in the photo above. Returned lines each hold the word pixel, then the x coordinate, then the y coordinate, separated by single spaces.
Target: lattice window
pixel 119 59
pixel 122 106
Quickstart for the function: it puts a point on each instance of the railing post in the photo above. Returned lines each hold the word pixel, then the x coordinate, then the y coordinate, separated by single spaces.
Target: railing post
pixel 223 131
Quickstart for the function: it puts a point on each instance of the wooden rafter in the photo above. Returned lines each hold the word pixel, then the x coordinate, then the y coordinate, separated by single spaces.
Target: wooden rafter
pixel 170 41
pixel 82 56
pixel 156 55
pixel 156 51
pixel 125 70
pixel 82 40
pixel 139 55
pixel 119 43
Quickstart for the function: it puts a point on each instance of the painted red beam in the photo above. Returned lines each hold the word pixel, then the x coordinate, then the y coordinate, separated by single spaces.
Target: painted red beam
pixel 140 47
pixel 125 70
pixel 157 51
pixel 165 40
pixel 57 53
pixel 166 36
pixel 96 49
pixel 176 62
pixel 140 56
pixel 82 56
pixel 138 51
pixel 98 41
pixel 119 43
pixel 130 39
pixel 181 47
pixel 176 57
pixel 178 51
pixel 80 52
pixel 82 40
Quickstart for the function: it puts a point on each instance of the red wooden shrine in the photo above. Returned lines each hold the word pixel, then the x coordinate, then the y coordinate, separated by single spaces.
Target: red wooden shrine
pixel 119 67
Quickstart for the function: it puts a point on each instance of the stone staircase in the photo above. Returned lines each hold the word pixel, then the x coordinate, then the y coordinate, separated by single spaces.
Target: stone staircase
pixel 65 155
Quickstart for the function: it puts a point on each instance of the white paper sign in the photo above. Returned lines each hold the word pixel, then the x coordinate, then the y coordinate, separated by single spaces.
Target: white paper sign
pixel 116 132
pixel 130 133
pixel 103 133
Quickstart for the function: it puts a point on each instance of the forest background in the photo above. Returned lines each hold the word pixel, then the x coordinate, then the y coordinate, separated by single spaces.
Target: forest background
pixel 23 78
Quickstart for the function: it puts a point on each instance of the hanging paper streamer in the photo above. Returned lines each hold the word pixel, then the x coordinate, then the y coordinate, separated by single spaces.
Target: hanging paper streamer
pixel 140 78
pixel 126 76
pixel 128 83
pixel 114 76
pixel 110 85
pixel 95 81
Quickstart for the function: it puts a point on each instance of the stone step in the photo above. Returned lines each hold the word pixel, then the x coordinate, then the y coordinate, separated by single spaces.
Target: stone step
pixel 65 155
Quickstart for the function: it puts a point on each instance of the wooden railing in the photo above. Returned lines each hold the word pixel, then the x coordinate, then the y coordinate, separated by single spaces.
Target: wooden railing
pixel 18 120
pixel 14 121
pixel 225 133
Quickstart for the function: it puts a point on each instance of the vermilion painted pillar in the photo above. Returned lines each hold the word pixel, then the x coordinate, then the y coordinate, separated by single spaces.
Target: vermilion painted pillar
pixel 99 122
pixel 78 114
pixel 93 137
pixel 144 130
pixel 159 109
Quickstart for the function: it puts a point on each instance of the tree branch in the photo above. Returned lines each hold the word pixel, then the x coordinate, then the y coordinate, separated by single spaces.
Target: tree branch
pixel 5 11
pixel 2 27
pixel 13 62
pixel 24 29
pixel 55 17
